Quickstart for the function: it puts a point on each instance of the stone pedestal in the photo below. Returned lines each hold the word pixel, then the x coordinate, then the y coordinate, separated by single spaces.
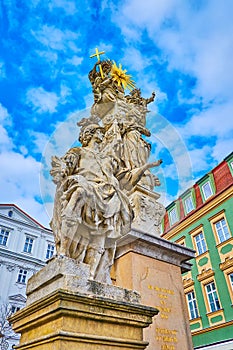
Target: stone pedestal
pixel 152 266
pixel 65 311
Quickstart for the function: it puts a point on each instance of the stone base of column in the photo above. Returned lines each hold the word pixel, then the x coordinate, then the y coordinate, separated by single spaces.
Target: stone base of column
pixel 67 311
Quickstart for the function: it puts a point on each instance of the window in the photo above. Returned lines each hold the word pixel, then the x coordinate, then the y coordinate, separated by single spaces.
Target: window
pixel 207 190
pixel 231 280
pixel 181 241
pixel 14 309
pixel 222 230
pixel 232 165
pixel 212 297
pixel 200 243
pixel 4 236
pixel 22 275
pixel 192 305
pixel 28 245
pixel 10 213
pixel 188 202
pixel 50 251
pixel 173 216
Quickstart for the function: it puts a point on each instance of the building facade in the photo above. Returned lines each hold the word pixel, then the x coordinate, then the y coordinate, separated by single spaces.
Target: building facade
pixel 25 245
pixel 202 219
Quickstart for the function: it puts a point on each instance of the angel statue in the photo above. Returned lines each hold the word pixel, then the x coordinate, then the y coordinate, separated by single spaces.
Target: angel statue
pixel 92 209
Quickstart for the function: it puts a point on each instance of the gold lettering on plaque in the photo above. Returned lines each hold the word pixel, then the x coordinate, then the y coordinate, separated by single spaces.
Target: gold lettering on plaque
pixel 166 337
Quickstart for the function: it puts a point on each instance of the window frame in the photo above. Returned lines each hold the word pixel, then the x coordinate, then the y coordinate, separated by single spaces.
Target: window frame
pixel 181 241
pixel 193 233
pixel 231 165
pixel 227 268
pixel 229 160
pixel 5 229
pixel 231 281
pixel 28 244
pixel 49 250
pixel 215 292
pixel 209 178
pixel 203 191
pixel 223 234
pixel 187 211
pixel 215 219
pixel 189 194
pixel 22 276
pixel 192 302
pixel 203 247
pixel 174 209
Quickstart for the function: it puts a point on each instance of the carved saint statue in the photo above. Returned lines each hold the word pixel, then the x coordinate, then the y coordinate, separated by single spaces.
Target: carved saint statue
pixel 92 208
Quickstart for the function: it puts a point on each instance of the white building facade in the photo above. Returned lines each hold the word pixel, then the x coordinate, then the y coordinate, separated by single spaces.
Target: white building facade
pixel 25 245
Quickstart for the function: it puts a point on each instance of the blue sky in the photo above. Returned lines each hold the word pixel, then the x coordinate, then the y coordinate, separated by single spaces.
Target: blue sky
pixel 181 49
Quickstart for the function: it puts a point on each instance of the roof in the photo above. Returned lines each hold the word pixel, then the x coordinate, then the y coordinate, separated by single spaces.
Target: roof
pixel 222 177
pixel 12 205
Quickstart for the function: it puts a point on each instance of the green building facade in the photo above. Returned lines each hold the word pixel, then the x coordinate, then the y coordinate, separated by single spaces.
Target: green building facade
pixel 202 219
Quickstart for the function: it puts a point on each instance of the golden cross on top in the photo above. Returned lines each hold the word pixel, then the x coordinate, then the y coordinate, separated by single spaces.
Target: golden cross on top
pixel 97 55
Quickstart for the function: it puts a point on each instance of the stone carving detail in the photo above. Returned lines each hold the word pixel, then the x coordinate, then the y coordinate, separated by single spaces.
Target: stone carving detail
pixel 97 196
pixel 147 210
pixel 11 267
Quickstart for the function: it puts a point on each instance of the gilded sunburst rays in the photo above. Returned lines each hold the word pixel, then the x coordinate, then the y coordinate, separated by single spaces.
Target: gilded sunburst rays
pixel 119 75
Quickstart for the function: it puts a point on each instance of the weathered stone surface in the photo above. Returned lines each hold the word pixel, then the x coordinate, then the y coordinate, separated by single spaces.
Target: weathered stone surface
pixel 64 320
pixel 148 211
pixel 64 273
pixel 65 310
pixel 148 244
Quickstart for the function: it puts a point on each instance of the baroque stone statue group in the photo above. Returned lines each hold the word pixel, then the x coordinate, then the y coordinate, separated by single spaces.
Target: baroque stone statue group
pixel 106 184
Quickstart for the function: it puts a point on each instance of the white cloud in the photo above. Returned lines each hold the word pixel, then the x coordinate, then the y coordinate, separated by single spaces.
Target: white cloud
pixel 41 100
pixel 2 70
pixel 5 118
pixel 148 13
pixel 65 93
pixel 18 167
pixel 6 121
pixel 48 55
pixel 167 137
pixel 75 60
pixel 39 139
pixel 19 184
pixel 134 59
pixel 56 39
pixel 195 38
pixel 201 159
pixel 68 6
pixel 19 176
pixel 5 141
pixel 222 148
pixel 215 120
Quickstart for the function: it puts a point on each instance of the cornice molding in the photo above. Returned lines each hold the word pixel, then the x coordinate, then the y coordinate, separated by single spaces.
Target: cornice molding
pixel 205 330
pixel 216 201
pixel 228 263
pixel 205 274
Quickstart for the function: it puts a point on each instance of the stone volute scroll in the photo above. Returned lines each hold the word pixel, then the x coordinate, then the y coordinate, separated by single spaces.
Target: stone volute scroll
pixel 105 186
